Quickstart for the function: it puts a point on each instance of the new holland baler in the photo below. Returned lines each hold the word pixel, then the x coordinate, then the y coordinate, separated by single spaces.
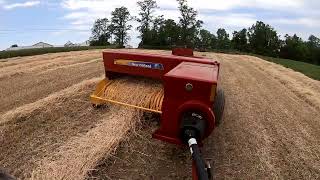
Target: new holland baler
pixel 190 104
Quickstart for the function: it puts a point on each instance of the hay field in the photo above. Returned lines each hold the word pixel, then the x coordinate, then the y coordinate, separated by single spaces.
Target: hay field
pixel 48 128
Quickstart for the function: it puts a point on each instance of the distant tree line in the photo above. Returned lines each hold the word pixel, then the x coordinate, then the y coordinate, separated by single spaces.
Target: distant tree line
pixel 104 30
pixel 158 32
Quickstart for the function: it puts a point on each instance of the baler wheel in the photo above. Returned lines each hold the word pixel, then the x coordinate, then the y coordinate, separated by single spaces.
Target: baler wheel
pixel 218 106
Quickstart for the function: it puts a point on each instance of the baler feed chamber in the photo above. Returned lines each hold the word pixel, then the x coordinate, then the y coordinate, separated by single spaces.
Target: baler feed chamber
pixel 135 92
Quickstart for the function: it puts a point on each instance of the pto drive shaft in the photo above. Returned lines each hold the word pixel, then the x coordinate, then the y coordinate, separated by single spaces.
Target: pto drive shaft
pixel 193 128
pixel 202 172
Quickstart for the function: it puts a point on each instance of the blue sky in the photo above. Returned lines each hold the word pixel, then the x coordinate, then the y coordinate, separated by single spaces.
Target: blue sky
pixel 26 22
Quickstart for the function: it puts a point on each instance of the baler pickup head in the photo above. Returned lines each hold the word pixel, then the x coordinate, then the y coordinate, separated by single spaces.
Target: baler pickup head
pixel 108 91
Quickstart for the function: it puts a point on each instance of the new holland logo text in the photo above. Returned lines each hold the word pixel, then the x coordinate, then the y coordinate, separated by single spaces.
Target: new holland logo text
pixel 145 65
pixel 148 65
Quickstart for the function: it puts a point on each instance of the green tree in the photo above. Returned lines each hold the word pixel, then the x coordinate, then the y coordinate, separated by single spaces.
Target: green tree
pixel 314 48
pixel 147 8
pixel 119 20
pixel 206 40
pixel 313 41
pixel 156 33
pixel 189 25
pixel 239 40
pixel 263 39
pixel 294 48
pixel 170 29
pixel 100 33
pixel 223 41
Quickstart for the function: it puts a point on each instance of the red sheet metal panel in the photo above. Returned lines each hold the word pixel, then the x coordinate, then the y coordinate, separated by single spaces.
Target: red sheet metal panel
pixel 127 62
pixel 196 71
pixel 180 98
pixel 182 52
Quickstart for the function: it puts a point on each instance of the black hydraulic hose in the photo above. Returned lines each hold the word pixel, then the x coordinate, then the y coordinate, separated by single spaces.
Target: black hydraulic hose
pixel 197 158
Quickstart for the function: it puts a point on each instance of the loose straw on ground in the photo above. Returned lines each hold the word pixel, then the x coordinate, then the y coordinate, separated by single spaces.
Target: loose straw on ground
pixel 81 154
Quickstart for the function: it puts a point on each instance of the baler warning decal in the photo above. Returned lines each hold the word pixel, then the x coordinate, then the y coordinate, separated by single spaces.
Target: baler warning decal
pixel 149 65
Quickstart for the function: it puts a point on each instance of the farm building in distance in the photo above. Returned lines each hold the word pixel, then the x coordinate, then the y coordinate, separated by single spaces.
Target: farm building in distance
pixel 46 45
pixel 70 44
pixel 35 46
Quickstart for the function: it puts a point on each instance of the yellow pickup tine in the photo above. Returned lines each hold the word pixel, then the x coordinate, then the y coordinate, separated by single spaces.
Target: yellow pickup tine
pixel 125 104
pixel 107 91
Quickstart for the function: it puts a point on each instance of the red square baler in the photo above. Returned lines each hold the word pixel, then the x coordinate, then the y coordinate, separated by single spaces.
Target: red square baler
pixel 190 104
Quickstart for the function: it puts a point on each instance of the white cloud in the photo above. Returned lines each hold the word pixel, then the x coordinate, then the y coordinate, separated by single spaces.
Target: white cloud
pixel 232 19
pixel 92 9
pixel 305 22
pixel 84 12
pixel 214 13
pixel 24 4
pixel 168 14
pixel 98 6
pixel 231 4
pixel 198 4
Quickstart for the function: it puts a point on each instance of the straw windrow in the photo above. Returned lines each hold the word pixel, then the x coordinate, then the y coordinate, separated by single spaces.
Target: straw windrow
pixel 81 154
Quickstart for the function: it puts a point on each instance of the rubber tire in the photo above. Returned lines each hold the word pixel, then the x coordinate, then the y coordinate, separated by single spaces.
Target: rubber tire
pixel 218 106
